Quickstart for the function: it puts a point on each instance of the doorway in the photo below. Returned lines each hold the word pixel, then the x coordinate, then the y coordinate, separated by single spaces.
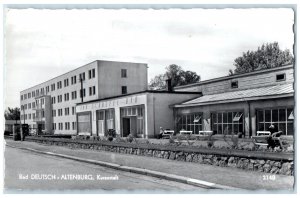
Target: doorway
pixel 126 126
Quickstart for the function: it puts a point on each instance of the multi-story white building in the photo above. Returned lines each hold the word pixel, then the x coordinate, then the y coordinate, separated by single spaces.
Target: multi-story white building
pixel 50 106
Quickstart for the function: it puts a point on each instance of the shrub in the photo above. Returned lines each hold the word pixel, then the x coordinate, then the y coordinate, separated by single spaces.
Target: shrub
pixel 110 138
pixel 171 140
pixel 130 138
pixel 111 132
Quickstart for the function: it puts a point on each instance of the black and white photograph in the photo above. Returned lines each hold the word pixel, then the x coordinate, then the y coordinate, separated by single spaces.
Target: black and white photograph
pixel 149 98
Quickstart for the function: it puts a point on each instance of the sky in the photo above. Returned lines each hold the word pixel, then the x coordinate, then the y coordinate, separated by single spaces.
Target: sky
pixel 41 44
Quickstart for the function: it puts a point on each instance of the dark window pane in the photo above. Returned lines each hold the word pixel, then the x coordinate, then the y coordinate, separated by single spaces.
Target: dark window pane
pixel 229 128
pixel 282 115
pixel 241 128
pixel 219 118
pixel 268 115
pixel 196 129
pixel 261 127
pixel 282 127
pixel 220 129
pixel 274 115
pixel 230 117
pixel 215 127
pixel 260 116
pixel 235 128
pixel 213 118
pixel 225 128
pixel 224 117
pixel 290 129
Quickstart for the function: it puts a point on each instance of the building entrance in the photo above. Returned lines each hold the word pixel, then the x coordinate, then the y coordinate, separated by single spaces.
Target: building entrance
pixel 133 121
pixel 126 126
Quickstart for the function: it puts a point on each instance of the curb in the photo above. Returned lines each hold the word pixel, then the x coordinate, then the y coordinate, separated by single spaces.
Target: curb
pixel 161 175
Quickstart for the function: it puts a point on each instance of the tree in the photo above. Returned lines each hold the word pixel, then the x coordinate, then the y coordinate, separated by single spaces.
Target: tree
pixel 267 56
pixel 12 114
pixel 178 76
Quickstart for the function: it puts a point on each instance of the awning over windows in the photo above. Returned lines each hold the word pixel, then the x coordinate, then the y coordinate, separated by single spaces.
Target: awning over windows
pixel 276 91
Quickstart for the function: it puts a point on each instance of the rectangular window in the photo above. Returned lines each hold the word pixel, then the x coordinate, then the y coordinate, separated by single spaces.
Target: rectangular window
pixel 84 122
pixel 67 111
pixel 29 106
pixel 82 76
pixel 21 97
pixel 59 85
pixel 124 73
pixel 90 91
pixel 29 95
pixel 94 90
pixel 33 94
pixel 190 122
pixel 53 87
pixel 90 74
pixel 33 105
pixel 47 89
pixel 124 89
pixel 73 125
pixel 280 77
pixel 93 73
pixel 74 95
pixel 234 84
pixel 228 123
pixel 67 125
pixel 73 110
pixel 66 82
pixel 66 95
pixel 53 113
pixel 82 93
pixel 282 118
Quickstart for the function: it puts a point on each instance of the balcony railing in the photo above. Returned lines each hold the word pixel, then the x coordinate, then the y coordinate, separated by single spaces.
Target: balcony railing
pixel 37 119
pixel 38 107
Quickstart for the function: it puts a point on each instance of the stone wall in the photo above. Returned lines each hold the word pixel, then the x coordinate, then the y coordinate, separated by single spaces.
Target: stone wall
pixel 275 163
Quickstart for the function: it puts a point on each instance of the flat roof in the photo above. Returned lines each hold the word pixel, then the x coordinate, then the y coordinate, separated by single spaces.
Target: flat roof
pixel 236 76
pixel 79 68
pixel 141 92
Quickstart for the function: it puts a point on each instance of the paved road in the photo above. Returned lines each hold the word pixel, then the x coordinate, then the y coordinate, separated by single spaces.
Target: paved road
pixel 52 173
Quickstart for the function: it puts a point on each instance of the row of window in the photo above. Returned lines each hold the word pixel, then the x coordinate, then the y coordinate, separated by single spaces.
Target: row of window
pixel 38 92
pixel 233 122
pixel 60 112
pixel 92 91
pixel 62 126
pixel 29 116
pixel 33 104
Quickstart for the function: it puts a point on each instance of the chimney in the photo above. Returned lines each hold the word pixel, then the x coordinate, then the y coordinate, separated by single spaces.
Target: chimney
pixel 169 85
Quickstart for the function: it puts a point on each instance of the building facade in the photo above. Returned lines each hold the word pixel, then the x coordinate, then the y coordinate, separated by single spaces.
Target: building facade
pixel 140 114
pixel 244 103
pixel 51 106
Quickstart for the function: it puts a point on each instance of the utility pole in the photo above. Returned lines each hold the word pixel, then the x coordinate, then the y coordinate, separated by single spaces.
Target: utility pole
pixel 81 88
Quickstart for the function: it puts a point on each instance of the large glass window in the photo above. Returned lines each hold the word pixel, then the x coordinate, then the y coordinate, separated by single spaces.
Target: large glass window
pixel 109 115
pixel 190 122
pixel 227 122
pixel 84 122
pixel 283 118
